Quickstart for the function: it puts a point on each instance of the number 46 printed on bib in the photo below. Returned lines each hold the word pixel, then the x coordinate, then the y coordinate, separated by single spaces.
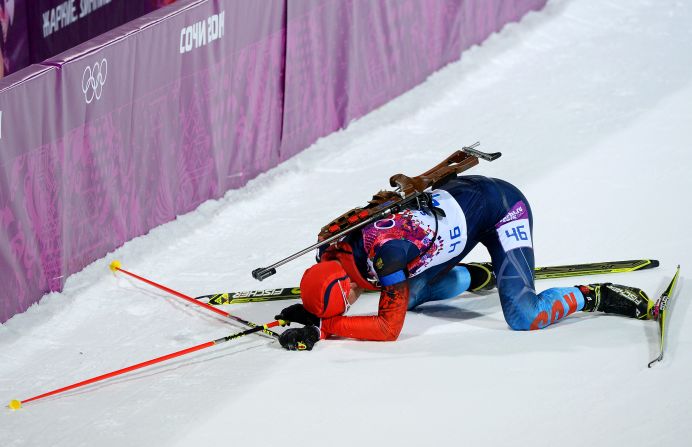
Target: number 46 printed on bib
pixel 514 230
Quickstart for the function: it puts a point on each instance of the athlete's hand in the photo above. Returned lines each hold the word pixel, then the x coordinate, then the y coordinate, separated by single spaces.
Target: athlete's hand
pixel 297 314
pixel 300 339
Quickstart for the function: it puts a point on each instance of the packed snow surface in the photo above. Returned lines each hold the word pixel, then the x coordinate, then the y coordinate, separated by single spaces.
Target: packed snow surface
pixel 590 103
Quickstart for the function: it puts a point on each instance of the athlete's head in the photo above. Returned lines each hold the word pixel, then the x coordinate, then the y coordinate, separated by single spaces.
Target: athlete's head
pixel 343 253
pixel 325 288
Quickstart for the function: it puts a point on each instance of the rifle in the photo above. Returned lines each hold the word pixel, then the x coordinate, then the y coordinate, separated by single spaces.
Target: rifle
pixel 409 190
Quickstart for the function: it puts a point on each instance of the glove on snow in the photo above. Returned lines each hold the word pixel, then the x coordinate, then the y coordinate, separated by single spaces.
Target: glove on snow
pixel 296 313
pixel 300 339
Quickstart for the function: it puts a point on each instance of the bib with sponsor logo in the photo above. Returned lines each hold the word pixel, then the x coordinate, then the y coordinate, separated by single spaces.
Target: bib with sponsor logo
pixel 514 230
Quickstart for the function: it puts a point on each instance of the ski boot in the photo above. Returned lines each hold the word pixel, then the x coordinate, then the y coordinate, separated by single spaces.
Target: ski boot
pixel 617 299
pixel 482 276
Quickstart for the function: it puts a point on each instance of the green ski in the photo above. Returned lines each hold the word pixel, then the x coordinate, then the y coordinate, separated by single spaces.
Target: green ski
pixel 252 296
pixel 558 271
pixel 660 312
pixel 595 268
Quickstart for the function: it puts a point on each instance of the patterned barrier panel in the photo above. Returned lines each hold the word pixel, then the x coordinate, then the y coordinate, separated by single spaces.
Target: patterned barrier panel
pixel 143 123
pixel 347 57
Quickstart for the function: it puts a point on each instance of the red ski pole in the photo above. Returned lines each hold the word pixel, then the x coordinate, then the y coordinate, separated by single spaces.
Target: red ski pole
pixel 115 266
pixel 17 404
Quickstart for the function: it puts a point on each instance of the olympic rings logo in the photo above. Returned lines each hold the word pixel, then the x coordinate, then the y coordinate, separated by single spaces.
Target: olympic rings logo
pixel 93 80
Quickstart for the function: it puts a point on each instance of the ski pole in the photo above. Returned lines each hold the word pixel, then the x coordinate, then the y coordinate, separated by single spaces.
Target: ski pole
pixel 115 266
pixel 17 404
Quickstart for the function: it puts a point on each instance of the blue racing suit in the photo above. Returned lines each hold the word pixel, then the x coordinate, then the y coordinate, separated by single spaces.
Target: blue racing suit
pixel 424 248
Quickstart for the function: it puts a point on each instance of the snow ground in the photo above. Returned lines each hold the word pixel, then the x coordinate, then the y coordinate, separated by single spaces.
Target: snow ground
pixel 590 103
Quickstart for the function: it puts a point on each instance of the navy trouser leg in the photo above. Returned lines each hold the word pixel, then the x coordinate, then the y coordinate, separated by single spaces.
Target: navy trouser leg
pixel 511 252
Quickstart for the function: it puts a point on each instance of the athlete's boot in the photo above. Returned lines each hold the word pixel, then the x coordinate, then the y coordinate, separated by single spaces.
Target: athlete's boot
pixel 482 276
pixel 617 299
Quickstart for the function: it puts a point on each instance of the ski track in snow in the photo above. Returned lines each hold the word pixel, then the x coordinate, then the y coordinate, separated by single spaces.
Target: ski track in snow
pixel 591 105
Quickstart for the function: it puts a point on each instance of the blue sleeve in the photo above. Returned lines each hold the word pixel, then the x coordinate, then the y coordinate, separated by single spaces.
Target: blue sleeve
pixel 391 261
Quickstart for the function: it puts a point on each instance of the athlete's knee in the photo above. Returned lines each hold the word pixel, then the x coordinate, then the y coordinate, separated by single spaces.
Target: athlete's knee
pixel 519 308
pixel 519 323
pixel 518 317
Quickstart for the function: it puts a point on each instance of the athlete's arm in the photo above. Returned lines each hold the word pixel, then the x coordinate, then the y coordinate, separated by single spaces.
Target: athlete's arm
pixel 390 263
pixel 385 326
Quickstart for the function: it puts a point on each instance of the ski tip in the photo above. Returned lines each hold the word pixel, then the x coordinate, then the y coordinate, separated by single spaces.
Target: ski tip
pixel 654 263
pixel 115 265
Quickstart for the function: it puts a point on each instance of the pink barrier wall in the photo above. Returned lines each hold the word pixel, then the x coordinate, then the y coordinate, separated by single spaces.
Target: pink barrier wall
pixel 122 133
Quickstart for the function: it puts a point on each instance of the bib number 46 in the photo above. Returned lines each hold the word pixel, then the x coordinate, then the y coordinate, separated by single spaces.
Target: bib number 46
pixel 515 234
pixel 518 233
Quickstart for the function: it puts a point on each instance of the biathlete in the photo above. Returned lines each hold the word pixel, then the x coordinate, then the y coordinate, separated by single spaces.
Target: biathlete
pixel 414 257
